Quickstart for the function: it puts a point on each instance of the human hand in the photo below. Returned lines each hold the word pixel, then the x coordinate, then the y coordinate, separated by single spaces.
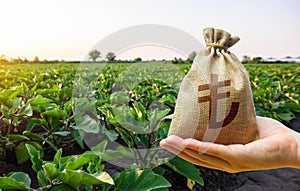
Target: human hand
pixel 277 146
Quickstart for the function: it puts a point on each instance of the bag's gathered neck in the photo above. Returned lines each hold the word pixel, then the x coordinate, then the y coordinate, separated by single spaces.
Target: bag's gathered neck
pixel 219 38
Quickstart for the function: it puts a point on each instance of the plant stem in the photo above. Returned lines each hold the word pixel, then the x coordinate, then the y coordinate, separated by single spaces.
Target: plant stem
pixel 9 127
pixel 136 147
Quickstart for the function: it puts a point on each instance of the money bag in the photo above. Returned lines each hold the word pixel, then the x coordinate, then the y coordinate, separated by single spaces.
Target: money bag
pixel 215 102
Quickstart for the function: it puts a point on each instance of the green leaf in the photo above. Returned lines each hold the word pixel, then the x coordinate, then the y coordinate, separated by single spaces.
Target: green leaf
pixel 62 187
pixel 57 157
pixel 286 116
pixel 10 183
pixel 161 189
pixel 55 113
pixel 34 122
pixel 162 114
pixel 80 161
pixel 140 111
pixel 62 133
pixel 140 181
pixel 33 136
pixel 42 179
pixel 126 137
pixel 186 169
pixel 275 105
pixel 292 106
pixel 128 119
pixel 119 98
pixel 159 170
pixel 50 171
pixel 139 128
pixel 95 166
pixel 108 155
pixel 87 124
pixel 34 87
pixel 100 147
pixel 12 137
pixel 21 177
pixel 26 110
pixel 22 153
pixel 112 135
pixel 13 92
pixel 79 136
pixel 39 100
pixel 14 103
pixel 35 157
pixel 51 144
pixel 75 178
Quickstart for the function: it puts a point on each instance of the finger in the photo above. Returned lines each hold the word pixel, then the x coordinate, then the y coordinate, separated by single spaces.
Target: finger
pixel 210 159
pixel 174 141
pixel 168 147
pixel 189 158
pixel 218 150
pixel 198 159
pixel 198 162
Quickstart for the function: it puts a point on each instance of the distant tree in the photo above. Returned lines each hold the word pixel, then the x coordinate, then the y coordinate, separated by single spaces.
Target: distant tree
pixel 178 61
pixel 246 59
pixel 36 60
pixel 94 54
pixel 257 59
pixel 25 60
pixel 138 59
pixel 191 57
pixel 110 56
pixel 3 59
pixel 20 60
pixel 16 60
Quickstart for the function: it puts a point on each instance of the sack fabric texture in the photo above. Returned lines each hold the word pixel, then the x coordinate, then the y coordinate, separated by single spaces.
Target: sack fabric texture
pixel 215 101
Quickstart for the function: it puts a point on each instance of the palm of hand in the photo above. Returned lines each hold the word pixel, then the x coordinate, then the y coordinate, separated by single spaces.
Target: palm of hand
pixel 275 148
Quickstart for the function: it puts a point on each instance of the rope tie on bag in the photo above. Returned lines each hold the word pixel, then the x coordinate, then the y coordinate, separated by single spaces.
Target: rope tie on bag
pixel 216 46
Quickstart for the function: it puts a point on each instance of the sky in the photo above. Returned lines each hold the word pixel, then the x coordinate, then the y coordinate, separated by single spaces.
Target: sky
pixel 69 29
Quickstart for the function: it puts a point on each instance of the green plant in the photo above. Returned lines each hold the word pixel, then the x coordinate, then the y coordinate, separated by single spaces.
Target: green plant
pixel 14 111
pixel 46 108
pixel 63 173
pixel 275 92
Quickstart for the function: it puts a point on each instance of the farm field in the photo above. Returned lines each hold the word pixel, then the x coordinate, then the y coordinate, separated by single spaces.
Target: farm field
pixel 47 108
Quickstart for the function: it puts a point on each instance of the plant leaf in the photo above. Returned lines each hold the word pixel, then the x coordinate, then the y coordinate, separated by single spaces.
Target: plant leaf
pixel 140 181
pixel 12 137
pixel 80 161
pixel 39 100
pixel 62 187
pixel 26 110
pixel 186 169
pixel 62 133
pixel 75 178
pixel 21 177
pixel 34 122
pixel 50 170
pixel 35 157
pixel 10 183
pixel 57 157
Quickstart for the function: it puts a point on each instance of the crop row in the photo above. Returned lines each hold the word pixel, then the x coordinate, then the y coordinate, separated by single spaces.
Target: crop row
pixel 118 113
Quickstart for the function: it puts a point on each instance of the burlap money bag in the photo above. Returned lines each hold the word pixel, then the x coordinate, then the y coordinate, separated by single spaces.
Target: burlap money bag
pixel 215 101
